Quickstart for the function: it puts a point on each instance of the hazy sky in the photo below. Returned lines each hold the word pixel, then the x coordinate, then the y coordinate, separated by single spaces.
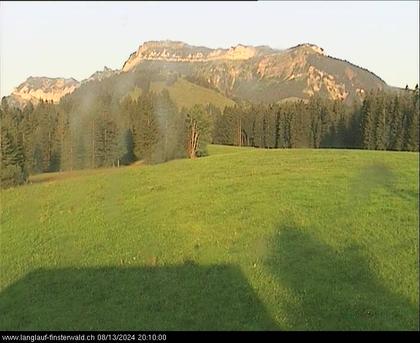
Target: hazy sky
pixel 75 39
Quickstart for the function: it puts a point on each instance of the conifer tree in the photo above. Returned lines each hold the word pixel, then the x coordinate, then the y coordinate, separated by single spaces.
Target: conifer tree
pixel 145 128
pixel 368 122
pixel 380 122
pixel 395 125
pixel 12 157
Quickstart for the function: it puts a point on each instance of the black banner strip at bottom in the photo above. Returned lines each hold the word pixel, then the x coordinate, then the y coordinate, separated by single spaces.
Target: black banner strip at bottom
pixel 171 336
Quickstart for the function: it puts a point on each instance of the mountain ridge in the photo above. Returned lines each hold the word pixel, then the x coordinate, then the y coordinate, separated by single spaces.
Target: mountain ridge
pixel 244 72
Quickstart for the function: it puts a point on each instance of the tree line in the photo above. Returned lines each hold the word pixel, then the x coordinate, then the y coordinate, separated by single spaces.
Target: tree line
pixel 384 121
pixel 101 130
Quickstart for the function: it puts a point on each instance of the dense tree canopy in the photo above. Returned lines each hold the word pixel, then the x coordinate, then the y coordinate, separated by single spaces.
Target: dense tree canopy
pixel 384 121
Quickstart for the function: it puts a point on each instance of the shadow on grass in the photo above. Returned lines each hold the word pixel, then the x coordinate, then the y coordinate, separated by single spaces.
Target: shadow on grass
pixel 184 297
pixel 334 290
pixel 375 176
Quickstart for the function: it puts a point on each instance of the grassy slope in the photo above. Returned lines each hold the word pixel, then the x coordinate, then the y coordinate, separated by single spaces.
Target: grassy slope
pixel 242 239
pixel 187 94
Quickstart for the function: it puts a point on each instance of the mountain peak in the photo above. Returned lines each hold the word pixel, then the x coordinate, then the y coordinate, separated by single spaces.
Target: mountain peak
pixel 309 47
pixel 101 74
pixel 164 43
pixel 42 87
pixel 177 51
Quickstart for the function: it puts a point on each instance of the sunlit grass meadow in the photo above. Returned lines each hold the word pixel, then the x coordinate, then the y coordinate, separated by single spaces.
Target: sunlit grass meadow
pixel 244 239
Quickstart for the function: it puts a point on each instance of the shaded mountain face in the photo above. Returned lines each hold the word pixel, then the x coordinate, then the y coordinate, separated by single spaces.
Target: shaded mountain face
pixel 255 74
pixel 101 75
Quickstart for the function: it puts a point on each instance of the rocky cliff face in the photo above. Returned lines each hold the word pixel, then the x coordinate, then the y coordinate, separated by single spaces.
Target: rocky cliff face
pixel 259 74
pixel 33 89
pixel 45 88
pixel 262 73
pixel 171 51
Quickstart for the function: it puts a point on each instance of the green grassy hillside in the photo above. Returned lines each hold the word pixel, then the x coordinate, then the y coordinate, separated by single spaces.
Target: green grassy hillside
pixel 187 94
pixel 245 239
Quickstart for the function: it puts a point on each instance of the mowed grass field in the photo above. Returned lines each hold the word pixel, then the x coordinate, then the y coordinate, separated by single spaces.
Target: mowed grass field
pixel 244 239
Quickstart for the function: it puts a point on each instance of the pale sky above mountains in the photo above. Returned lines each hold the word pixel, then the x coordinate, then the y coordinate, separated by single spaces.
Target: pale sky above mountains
pixel 75 39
